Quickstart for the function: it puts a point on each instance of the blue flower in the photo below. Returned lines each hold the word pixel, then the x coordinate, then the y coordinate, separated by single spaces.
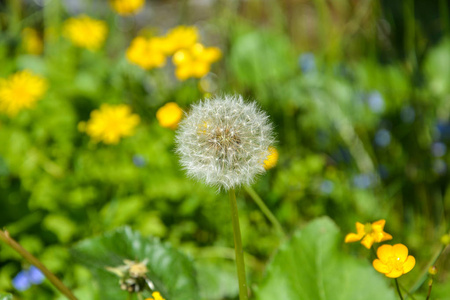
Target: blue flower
pixel 363 181
pixel 307 62
pixel 408 114
pixel 21 281
pixel 438 149
pixel 25 278
pixel 376 102
pixel 35 275
pixel 139 161
pixel 443 130
pixel 382 138
pixel 326 187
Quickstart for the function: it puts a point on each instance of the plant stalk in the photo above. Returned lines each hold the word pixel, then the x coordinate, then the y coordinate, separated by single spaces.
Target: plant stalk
pixel 265 210
pixel 398 289
pixel 238 246
pixel 4 236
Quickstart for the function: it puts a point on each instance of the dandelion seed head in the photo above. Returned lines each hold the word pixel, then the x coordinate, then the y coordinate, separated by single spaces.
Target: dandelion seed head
pixel 224 141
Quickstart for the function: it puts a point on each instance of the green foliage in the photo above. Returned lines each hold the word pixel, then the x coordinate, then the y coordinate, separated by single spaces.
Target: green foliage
pixel 172 272
pixel 4 296
pixel 312 266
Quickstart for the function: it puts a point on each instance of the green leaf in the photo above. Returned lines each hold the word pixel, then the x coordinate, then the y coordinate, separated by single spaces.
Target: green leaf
pixel 311 266
pixel 4 296
pixel 172 272
pixel 217 280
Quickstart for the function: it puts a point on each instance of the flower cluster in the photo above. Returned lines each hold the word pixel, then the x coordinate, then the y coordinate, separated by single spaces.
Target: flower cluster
pixel 393 261
pixel 127 7
pixel 110 123
pixel 85 32
pixel 20 91
pixel 190 58
pixel 224 141
pixel 169 115
pixel 26 278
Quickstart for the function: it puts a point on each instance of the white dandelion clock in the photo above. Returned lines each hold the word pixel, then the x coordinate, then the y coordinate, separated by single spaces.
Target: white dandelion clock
pixel 224 141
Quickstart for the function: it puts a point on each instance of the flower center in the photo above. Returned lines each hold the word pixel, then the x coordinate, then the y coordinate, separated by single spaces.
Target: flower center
pixel 368 228
pixel 394 263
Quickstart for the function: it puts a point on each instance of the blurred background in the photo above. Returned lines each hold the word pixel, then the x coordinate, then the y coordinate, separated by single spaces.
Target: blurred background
pixel 358 91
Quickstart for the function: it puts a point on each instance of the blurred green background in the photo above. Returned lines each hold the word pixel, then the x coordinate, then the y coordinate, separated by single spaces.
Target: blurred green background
pixel 359 93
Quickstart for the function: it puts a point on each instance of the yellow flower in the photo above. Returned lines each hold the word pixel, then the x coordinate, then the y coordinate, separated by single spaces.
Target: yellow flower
pixel 169 115
pixel 20 91
pixel 195 61
pixel 110 123
pixel 85 32
pixel 181 37
pixel 272 159
pixel 369 233
pixel 156 296
pixel 393 261
pixel 147 53
pixel 31 41
pixel 127 7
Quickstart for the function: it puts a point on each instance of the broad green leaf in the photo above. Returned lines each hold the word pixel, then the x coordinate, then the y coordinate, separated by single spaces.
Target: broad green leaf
pixel 4 296
pixel 311 266
pixel 217 280
pixel 172 272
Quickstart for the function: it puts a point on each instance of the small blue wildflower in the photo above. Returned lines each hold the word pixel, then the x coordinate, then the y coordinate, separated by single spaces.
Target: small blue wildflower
pixel 382 138
pixel 408 114
pixel 21 282
pixel 362 181
pixel 438 149
pixel 439 167
pixel 443 130
pixel 35 275
pixel 375 101
pixel 326 187
pixel 25 278
pixel 307 62
pixel 139 161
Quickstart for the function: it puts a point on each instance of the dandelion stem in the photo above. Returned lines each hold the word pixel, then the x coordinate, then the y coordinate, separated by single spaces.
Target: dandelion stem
pixel 398 289
pixel 4 236
pixel 238 246
pixel 265 210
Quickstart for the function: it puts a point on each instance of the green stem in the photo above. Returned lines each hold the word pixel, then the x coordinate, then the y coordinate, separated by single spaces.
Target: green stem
pixel 398 289
pixel 238 247
pixel 4 236
pixel 266 211
pixel 424 275
pixel 430 286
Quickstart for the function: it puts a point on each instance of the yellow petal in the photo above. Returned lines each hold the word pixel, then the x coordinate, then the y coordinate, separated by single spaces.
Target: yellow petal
pixel 360 229
pixel 386 237
pixel 384 252
pixel 409 264
pixel 378 225
pixel 400 251
pixel 380 267
pixel 211 54
pixel 394 273
pixel 352 237
pixel 367 241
